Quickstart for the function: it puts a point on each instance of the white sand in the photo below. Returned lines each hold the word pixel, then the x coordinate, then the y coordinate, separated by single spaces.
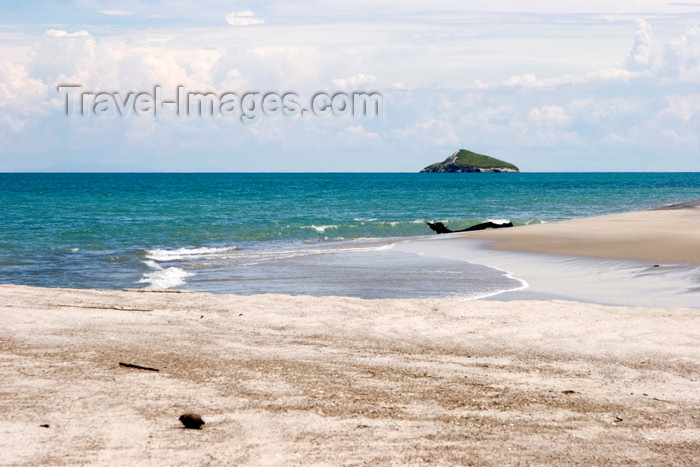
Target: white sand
pixel 663 235
pixel 645 258
pixel 301 380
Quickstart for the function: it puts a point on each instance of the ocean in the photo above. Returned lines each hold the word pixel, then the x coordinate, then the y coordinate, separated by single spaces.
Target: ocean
pixel 316 234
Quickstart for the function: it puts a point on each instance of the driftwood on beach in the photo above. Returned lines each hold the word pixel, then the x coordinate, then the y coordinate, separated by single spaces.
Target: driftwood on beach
pixel 139 367
pixel 441 228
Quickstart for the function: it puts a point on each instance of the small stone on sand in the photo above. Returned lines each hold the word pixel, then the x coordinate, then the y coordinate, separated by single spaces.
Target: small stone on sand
pixel 192 420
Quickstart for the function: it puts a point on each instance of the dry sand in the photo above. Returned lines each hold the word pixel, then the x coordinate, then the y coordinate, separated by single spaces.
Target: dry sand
pixel 668 234
pixel 283 380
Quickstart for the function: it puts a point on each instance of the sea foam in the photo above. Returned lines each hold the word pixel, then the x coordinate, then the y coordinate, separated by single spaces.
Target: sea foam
pixel 322 228
pixel 163 278
pixel 187 253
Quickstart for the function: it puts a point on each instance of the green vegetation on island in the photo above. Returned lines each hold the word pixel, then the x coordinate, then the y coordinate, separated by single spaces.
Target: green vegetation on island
pixel 468 161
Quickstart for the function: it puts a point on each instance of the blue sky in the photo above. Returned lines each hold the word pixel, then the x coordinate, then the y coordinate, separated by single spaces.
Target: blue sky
pixel 547 85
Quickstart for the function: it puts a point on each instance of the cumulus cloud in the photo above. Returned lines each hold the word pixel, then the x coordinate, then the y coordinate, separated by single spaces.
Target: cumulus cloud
pixel 549 115
pixel 680 57
pixel 297 67
pixel 354 81
pixel 243 18
pixel 680 117
pixel 527 80
pixel 429 132
pixel 357 136
pixel 189 68
pixel 10 123
pixel 530 80
pixel 648 101
pixel 21 98
pixel 235 81
pixel 593 110
pixel 116 12
pixel 549 125
pixel 641 54
pixel 399 85
pixel 63 57
pixel 18 90
pixel 61 33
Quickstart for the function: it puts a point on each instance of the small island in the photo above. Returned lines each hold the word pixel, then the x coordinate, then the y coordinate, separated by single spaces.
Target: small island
pixel 468 161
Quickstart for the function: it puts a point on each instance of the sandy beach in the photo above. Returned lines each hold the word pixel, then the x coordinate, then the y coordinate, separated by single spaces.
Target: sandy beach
pixel 283 380
pixel 645 258
pixel 667 234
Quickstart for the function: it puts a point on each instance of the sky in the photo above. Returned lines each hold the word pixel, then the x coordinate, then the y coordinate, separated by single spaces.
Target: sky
pixel 548 85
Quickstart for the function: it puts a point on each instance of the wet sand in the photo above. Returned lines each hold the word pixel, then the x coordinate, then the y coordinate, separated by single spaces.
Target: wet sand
pixel 668 234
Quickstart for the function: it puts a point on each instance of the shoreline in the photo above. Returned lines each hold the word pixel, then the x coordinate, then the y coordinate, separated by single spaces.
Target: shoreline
pixel 667 234
pixel 600 281
pixel 582 259
pixel 282 379
pixel 578 259
pixel 285 380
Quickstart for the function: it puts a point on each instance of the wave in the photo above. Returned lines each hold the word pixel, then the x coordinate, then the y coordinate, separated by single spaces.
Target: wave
pixel 384 228
pixel 322 228
pixel 163 278
pixel 252 254
pixel 186 253
pixel 259 257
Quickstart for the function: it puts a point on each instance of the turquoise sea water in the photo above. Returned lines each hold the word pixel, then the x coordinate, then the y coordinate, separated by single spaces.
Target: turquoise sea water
pixel 320 234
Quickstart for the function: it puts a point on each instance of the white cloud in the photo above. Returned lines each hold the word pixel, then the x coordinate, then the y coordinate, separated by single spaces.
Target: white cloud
pixel 527 80
pixel 18 90
pixel 21 98
pixel 680 57
pixel 616 139
pixel 61 33
pixel 243 18
pixel 641 54
pixel 116 12
pixel 356 135
pixel 681 108
pixel 530 80
pixel 399 85
pixel 549 115
pixel 139 68
pixel 235 82
pixel 354 81
pixel 64 57
pixel 429 133
pixel 594 110
pixel 448 88
pixel 11 123
pixel 549 125
pixel 284 67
